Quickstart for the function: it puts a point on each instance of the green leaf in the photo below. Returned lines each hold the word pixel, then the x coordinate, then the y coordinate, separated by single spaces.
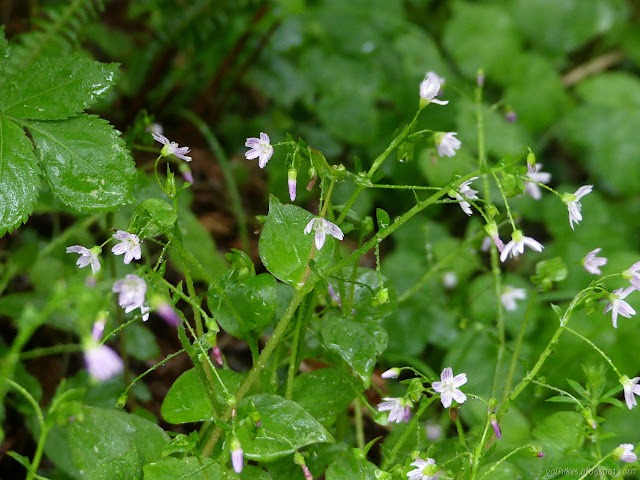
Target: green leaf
pixel 325 393
pixel 56 88
pixel 197 241
pixel 181 443
pixel 366 286
pixel 249 472
pixel 19 182
pixel 86 162
pixel 187 400
pixel 623 90
pixel 358 342
pixel 350 468
pixel 482 36
pixel 284 248
pixel 285 428
pixel 151 218
pixel 188 468
pixel 141 343
pixel 559 27
pixel 548 272
pixel 561 431
pixel 593 132
pixel 105 445
pixel 248 305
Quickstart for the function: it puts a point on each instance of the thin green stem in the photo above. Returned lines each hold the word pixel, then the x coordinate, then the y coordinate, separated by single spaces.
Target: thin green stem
pixel 531 374
pixel 225 166
pixel 30 399
pixel 595 347
pixel 37 457
pixel 564 393
pixel 308 287
pixel 159 364
pixel 460 431
pixel 293 359
pixel 425 402
pixel 504 199
pixel 588 472
pixel 439 266
pixel 404 187
pixel 518 346
pixel 497 464
pixel 357 406
pixel 478 450
pixel 53 350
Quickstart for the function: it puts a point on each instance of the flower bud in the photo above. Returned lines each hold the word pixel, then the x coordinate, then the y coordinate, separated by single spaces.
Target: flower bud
pixel 237 455
pixel 391 373
pixel 496 427
pixel 480 77
pixel 625 453
pixel 292 183
pixel 383 295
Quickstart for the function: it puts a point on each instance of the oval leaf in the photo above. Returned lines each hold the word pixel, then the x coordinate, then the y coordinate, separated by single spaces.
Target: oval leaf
pixel 286 427
pixel 187 400
pixel 105 444
pixel 284 247
pixel 358 342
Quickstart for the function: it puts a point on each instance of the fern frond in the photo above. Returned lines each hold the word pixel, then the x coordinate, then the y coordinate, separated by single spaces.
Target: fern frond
pixel 58 31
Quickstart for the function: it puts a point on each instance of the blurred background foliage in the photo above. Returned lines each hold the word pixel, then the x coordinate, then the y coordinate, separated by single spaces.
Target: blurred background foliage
pixel 344 76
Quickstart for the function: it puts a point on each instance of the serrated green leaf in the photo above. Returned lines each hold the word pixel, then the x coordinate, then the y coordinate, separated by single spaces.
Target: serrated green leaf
pixel 325 393
pixel 248 306
pixel 105 445
pixel 187 400
pixel 358 341
pixel 19 182
pixel 56 88
pixel 85 162
pixel 188 468
pixel 151 218
pixel 284 247
pixel 285 427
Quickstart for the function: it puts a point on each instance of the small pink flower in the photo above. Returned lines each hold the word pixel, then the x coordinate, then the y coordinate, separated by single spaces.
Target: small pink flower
pixel 259 148
pixel 171 148
pixel 592 263
pixel 322 227
pixel 129 245
pixel 617 305
pixel 448 387
pixel 87 257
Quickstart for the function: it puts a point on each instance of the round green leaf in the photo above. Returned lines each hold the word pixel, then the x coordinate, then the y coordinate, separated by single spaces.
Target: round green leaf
pixel 247 306
pixel 285 427
pixel 105 445
pixel 325 393
pixel 151 218
pixel 187 400
pixel 358 341
pixel 188 468
pixel 284 247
